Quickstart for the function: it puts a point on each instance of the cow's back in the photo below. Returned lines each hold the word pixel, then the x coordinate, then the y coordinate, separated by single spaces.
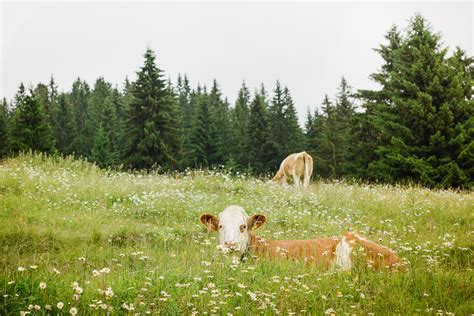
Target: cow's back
pixel 319 251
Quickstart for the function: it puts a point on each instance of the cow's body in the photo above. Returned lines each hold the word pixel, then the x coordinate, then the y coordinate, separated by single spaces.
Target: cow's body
pixel 236 233
pixel 319 251
pixel 298 166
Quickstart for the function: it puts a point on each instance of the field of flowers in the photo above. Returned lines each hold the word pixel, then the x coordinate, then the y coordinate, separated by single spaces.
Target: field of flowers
pixel 78 240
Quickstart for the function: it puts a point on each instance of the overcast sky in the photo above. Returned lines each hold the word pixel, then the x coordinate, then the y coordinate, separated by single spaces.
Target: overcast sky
pixel 307 46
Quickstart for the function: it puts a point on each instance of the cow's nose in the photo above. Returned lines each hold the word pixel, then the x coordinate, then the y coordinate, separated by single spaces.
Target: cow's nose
pixel 230 245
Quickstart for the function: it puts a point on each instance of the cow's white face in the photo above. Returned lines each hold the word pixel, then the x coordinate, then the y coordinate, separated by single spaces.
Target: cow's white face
pixel 234 227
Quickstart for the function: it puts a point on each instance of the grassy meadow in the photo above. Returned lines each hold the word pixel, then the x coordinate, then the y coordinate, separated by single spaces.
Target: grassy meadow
pixel 77 239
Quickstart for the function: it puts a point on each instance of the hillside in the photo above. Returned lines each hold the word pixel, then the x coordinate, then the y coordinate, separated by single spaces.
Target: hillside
pixel 133 242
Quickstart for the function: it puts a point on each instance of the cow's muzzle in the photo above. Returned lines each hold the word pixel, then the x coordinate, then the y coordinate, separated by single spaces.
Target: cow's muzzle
pixel 231 246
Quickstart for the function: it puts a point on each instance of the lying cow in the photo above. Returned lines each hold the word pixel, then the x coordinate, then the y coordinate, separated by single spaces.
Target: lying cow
pixel 299 166
pixel 236 233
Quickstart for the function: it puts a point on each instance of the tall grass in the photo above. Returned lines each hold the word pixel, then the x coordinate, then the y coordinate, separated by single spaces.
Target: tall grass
pixel 105 241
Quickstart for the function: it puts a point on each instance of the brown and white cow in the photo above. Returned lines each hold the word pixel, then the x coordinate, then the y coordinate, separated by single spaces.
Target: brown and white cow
pixel 299 166
pixel 237 233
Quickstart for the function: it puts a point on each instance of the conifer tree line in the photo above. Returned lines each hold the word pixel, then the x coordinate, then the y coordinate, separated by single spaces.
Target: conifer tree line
pixel 418 126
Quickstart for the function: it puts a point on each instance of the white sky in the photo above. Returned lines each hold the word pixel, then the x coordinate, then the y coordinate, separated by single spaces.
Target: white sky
pixel 307 46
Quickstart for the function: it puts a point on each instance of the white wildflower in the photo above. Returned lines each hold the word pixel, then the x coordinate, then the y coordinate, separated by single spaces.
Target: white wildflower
pixel 252 295
pixel 105 270
pixel 109 292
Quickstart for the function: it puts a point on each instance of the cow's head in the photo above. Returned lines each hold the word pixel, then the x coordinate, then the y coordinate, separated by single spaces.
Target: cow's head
pixel 234 227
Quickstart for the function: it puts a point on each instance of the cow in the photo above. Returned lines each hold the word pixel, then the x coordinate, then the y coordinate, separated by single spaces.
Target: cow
pixel 299 166
pixel 237 234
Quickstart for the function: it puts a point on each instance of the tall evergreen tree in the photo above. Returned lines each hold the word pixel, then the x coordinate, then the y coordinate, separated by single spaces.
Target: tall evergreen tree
pixel 79 101
pixel 53 90
pixel 295 135
pixel 260 148
pixel 152 126
pixel 175 135
pixel 3 128
pixel 184 100
pixel 239 126
pixel 64 128
pixel 287 135
pixel 345 112
pixel 101 153
pixel 96 105
pixel 122 103
pixel 308 124
pixel 43 96
pixel 220 111
pixel 29 128
pixel 117 114
pixel 414 114
pixel 203 132
pixel 324 144
pixel 279 129
pixel 367 128
pixel 20 96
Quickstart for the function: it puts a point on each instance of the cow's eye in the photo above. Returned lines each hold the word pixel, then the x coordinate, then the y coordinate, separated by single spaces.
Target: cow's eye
pixel 243 228
pixel 220 226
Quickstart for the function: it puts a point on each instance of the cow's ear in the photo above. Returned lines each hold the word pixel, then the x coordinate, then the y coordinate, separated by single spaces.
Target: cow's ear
pixel 256 221
pixel 210 221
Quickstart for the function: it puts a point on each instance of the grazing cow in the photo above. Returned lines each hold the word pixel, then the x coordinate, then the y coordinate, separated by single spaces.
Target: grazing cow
pixel 299 166
pixel 237 233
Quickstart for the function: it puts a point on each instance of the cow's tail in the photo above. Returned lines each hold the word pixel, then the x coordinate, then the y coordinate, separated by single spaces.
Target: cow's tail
pixel 308 168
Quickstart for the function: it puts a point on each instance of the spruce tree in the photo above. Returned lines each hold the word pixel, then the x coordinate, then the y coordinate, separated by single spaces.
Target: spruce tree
pixel 308 125
pixel 101 153
pixel 122 101
pixel 260 149
pixel 458 124
pixel 3 128
pixel 184 100
pixel 109 124
pixel 96 105
pixel 20 96
pixel 416 115
pixel 42 94
pixel 220 112
pixel 295 135
pixel 279 129
pixel 239 124
pixel 118 112
pixel 203 133
pixel 287 135
pixel 29 129
pixel 175 132
pixel 152 130
pixel 64 128
pixel 314 142
pixel 79 101
pixel 327 141
pixel 345 112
